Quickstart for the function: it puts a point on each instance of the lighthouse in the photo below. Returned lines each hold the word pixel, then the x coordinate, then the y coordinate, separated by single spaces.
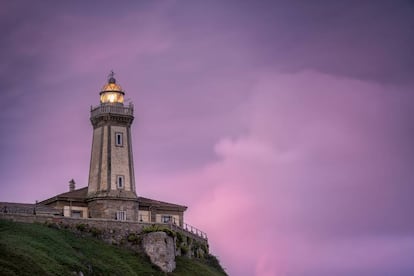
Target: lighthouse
pixel 111 186
pixel 111 193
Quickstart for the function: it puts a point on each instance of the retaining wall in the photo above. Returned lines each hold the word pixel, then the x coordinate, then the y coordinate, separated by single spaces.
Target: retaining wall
pixel 111 230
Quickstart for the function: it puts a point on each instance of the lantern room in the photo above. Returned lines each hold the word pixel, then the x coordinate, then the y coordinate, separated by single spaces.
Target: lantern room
pixel 112 92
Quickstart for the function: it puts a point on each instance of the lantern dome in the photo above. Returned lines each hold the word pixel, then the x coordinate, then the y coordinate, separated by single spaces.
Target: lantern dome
pixel 112 92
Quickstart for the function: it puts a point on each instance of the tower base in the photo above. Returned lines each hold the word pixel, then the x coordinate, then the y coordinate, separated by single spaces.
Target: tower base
pixel 113 208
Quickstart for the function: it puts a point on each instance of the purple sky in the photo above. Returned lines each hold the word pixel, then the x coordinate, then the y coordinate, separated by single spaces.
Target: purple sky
pixel 287 127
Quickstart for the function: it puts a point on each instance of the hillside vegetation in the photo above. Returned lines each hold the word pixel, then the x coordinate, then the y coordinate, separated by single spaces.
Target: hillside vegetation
pixel 35 249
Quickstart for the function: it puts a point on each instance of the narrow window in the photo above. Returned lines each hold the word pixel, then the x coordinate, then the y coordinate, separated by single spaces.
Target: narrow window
pixel 118 139
pixel 121 215
pixel 120 181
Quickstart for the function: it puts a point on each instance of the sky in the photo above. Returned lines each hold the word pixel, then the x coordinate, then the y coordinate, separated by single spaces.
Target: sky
pixel 286 127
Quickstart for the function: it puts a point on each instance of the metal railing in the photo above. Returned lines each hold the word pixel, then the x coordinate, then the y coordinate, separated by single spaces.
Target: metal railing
pixel 18 210
pixel 33 209
pixel 186 228
pixel 112 108
pixel 194 230
pixel 174 225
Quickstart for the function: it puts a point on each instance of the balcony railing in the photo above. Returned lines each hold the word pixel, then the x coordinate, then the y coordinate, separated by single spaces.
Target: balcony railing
pixel 113 109
pixel 174 225
pixel 194 230
pixel 185 228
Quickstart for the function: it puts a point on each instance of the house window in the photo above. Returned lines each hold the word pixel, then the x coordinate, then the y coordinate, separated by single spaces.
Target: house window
pixel 166 219
pixel 120 181
pixel 119 139
pixel 76 214
pixel 121 215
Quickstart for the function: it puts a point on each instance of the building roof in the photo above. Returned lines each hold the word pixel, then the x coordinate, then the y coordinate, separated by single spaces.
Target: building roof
pixel 80 195
pixel 143 201
pixel 75 195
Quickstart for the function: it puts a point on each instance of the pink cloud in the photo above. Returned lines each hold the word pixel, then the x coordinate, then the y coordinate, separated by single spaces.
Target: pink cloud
pixel 282 197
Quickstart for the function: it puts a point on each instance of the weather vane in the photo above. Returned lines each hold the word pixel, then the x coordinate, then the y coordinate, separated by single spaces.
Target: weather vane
pixel 111 74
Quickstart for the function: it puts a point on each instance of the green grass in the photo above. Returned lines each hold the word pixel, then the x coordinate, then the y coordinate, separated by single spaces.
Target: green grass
pixel 34 249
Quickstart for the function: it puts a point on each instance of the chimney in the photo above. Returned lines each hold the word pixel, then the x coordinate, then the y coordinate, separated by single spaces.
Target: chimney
pixel 72 185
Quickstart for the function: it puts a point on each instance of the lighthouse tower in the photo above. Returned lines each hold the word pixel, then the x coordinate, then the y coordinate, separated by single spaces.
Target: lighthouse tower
pixel 111 187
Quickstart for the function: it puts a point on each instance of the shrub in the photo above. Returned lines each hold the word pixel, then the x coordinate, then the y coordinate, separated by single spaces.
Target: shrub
pixel 158 228
pixel 170 232
pixel 122 241
pixel 184 249
pixel 180 237
pixel 81 227
pixel 53 225
pixel 204 247
pixel 196 244
pixel 151 228
pixel 212 261
pixel 95 232
pixel 133 238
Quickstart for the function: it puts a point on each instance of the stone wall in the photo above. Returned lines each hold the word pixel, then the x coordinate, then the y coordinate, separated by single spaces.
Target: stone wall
pixel 107 208
pixel 120 159
pixel 124 228
pixel 95 165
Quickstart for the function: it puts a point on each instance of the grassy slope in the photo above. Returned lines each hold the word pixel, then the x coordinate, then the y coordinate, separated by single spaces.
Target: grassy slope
pixel 34 249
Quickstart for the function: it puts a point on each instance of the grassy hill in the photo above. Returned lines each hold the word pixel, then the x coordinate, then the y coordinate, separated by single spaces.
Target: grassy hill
pixel 35 249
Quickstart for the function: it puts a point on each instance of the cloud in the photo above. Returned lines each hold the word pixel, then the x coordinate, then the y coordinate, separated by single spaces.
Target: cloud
pixel 309 186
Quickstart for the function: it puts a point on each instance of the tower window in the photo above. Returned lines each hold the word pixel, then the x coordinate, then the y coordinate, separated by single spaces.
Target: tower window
pixel 120 181
pixel 121 215
pixel 119 139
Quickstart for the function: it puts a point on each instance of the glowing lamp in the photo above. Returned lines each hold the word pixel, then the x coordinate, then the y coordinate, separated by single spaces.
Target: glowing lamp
pixel 112 92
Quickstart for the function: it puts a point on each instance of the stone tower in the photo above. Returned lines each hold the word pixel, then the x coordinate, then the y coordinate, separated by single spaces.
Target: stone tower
pixel 111 187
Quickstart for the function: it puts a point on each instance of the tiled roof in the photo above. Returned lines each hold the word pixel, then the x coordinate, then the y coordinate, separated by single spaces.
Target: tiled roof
pixel 79 194
pixel 148 201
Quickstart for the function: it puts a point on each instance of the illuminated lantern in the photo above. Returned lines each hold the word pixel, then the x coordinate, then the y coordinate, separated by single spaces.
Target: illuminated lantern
pixel 111 92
